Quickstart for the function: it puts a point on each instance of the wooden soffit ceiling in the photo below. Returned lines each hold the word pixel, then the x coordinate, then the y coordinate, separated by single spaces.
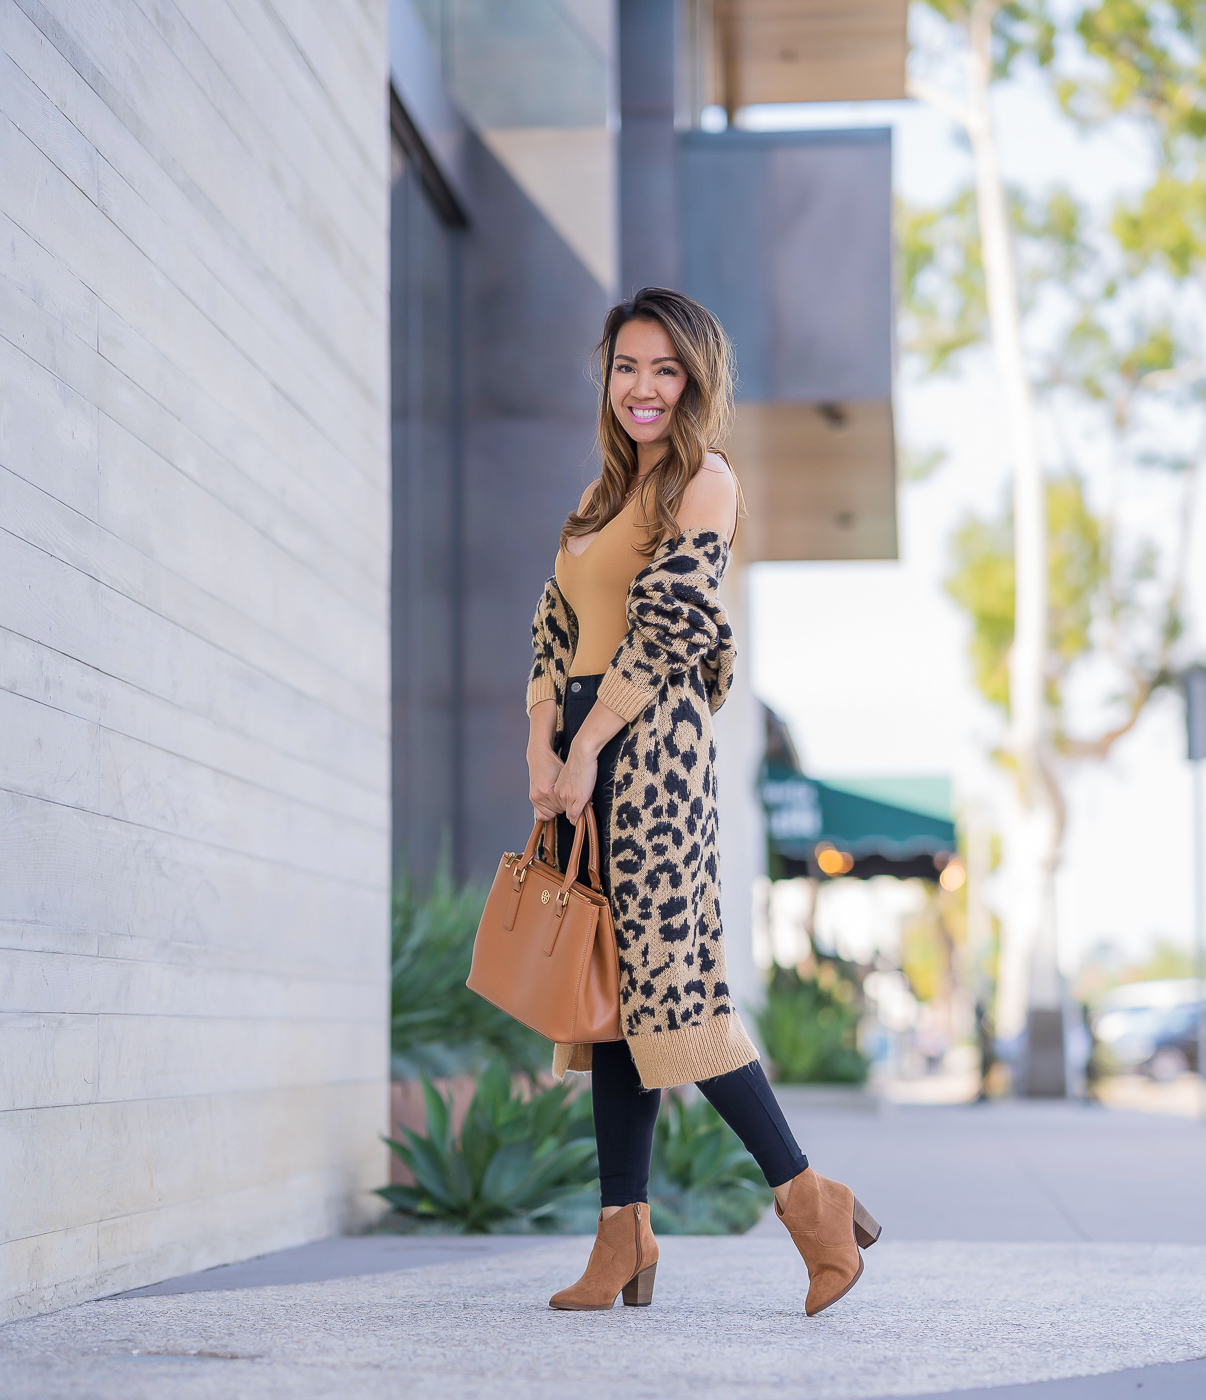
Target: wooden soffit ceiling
pixel 809 50
pixel 819 481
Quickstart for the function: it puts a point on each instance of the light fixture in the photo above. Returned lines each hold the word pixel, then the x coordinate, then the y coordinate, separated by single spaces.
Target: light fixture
pixel 953 876
pixel 831 861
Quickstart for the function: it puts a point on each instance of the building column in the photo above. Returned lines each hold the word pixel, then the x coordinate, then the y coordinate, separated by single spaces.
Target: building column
pixel 649 243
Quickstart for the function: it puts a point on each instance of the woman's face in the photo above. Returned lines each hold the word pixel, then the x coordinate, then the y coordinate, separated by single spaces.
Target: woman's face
pixel 646 381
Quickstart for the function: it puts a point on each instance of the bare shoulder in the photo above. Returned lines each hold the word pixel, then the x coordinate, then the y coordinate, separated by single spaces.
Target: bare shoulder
pixel 710 500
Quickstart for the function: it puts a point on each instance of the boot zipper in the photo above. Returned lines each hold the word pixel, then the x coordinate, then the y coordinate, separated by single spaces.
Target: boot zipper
pixel 638 1240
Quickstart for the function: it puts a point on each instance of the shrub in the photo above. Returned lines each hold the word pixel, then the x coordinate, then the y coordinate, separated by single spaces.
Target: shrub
pixel 703 1182
pixel 437 1025
pixel 516 1159
pixel 525 1162
pixel 528 1163
pixel 810 1031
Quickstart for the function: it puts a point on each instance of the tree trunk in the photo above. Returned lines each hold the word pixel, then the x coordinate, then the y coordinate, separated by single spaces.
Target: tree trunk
pixel 1030 995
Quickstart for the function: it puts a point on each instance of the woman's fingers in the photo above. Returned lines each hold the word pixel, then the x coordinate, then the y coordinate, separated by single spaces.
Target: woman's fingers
pixel 545 802
pixel 543 771
pixel 572 803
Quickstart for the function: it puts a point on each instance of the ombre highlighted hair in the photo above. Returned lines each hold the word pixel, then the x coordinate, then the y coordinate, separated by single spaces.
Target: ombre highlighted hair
pixel 699 423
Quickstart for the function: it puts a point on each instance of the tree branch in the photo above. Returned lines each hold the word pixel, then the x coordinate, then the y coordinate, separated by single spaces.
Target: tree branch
pixel 1100 747
pixel 941 101
pixel 1179 378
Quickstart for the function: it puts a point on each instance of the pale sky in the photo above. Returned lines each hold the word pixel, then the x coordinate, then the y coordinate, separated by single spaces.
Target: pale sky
pixel 866 661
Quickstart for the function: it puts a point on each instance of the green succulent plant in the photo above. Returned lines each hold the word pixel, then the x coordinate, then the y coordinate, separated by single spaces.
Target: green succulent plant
pixel 702 1182
pixel 514 1162
pixel 810 1032
pixel 438 1027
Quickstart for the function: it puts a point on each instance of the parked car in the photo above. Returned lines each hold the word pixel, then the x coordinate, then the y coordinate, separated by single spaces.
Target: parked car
pixel 1150 1028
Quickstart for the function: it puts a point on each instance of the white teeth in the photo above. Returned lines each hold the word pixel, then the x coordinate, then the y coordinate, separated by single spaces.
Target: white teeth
pixel 646 415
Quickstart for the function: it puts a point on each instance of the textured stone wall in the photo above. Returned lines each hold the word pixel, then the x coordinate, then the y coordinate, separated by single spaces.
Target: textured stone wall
pixel 194 528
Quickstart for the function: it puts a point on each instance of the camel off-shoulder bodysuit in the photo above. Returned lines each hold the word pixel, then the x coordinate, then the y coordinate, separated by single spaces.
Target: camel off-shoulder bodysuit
pixel 595 584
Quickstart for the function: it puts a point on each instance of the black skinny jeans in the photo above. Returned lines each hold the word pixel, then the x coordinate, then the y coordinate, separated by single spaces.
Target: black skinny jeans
pixel 624 1112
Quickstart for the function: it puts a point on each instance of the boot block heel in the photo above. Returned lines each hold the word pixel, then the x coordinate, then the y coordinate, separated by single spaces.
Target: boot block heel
pixel 638 1291
pixel 866 1228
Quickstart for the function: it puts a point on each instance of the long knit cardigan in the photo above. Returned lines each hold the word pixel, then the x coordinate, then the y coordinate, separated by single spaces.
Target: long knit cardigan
pixel 670 674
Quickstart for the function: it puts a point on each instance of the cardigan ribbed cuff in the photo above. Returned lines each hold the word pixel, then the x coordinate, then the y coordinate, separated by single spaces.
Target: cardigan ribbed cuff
pixel 669 1058
pixel 697 1052
pixel 622 696
pixel 540 688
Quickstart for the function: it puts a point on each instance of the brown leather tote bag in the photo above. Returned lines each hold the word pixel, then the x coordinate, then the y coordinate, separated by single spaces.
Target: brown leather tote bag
pixel 545 950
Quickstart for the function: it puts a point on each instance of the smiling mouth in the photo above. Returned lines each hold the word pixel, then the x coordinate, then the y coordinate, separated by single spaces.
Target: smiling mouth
pixel 646 415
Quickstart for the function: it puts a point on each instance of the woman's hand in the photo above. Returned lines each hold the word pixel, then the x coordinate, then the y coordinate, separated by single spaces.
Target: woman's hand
pixel 544 766
pixel 576 782
pixel 544 769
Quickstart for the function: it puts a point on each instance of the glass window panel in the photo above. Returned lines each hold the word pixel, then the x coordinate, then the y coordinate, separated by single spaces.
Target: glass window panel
pixel 518 63
pixel 425 524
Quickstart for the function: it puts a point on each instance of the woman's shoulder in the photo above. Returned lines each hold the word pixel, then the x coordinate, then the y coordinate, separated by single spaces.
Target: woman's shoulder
pixel 710 500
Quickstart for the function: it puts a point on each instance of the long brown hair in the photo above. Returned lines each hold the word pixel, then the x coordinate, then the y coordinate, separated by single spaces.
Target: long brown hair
pixel 699 423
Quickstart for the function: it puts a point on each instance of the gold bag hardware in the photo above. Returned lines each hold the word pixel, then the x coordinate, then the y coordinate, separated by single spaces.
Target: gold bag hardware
pixel 545 950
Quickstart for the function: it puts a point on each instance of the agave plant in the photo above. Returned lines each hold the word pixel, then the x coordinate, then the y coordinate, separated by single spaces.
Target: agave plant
pixel 703 1182
pixel 810 1031
pixel 515 1161
pixel 437 1025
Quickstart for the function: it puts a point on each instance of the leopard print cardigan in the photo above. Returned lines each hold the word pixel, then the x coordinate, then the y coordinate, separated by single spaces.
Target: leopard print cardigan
pixel 668 677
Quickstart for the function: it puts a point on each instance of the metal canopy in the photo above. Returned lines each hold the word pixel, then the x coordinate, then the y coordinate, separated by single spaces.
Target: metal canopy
pixel 787 237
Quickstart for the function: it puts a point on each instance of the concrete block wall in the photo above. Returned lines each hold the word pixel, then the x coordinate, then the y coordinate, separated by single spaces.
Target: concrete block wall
pixel 194 668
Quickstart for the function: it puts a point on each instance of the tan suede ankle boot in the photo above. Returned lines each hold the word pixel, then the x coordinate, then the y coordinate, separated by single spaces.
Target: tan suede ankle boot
pixel 624 1259
pixel 827 1224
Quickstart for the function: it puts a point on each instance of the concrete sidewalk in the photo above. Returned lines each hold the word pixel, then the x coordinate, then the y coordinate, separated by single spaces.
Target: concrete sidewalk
pixel 1013 1170
pixel 1099 1288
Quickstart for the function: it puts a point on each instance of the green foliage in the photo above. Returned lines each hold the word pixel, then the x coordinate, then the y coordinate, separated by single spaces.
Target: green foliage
pixel 1110 369
pixel 932 939
pixel 942 280
pixel 437 1025
pixel 982 583
pixel 1020 28
pixel 516 1159
pixel 1150 62
pixel 528 1163
pixel 1166 226
pixel 702 1181
pixel 1112 314
pixel 810 1031
pixel 944 299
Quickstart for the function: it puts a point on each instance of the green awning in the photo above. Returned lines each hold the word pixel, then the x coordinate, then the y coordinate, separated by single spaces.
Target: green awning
pixel 881 823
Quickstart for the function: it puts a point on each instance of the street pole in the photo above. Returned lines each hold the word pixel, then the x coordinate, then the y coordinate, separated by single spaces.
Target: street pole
pixel 1195 733
pixel 1199 926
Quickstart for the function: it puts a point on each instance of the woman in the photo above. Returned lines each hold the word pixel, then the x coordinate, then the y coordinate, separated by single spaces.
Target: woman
pixel 633 655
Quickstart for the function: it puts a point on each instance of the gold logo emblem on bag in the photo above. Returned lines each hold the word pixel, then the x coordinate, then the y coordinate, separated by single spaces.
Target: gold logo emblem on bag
pixel 545 896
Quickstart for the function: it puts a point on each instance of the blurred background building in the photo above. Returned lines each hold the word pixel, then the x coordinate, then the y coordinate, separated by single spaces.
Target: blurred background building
pixel 295 331
pixel 549 157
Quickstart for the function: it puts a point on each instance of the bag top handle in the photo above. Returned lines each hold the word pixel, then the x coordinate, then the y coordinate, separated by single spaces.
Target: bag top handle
pixel 543 839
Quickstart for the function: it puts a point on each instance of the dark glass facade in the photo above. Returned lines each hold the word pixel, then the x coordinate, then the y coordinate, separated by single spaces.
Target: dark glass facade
pixel 426 577
pixel 492 321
